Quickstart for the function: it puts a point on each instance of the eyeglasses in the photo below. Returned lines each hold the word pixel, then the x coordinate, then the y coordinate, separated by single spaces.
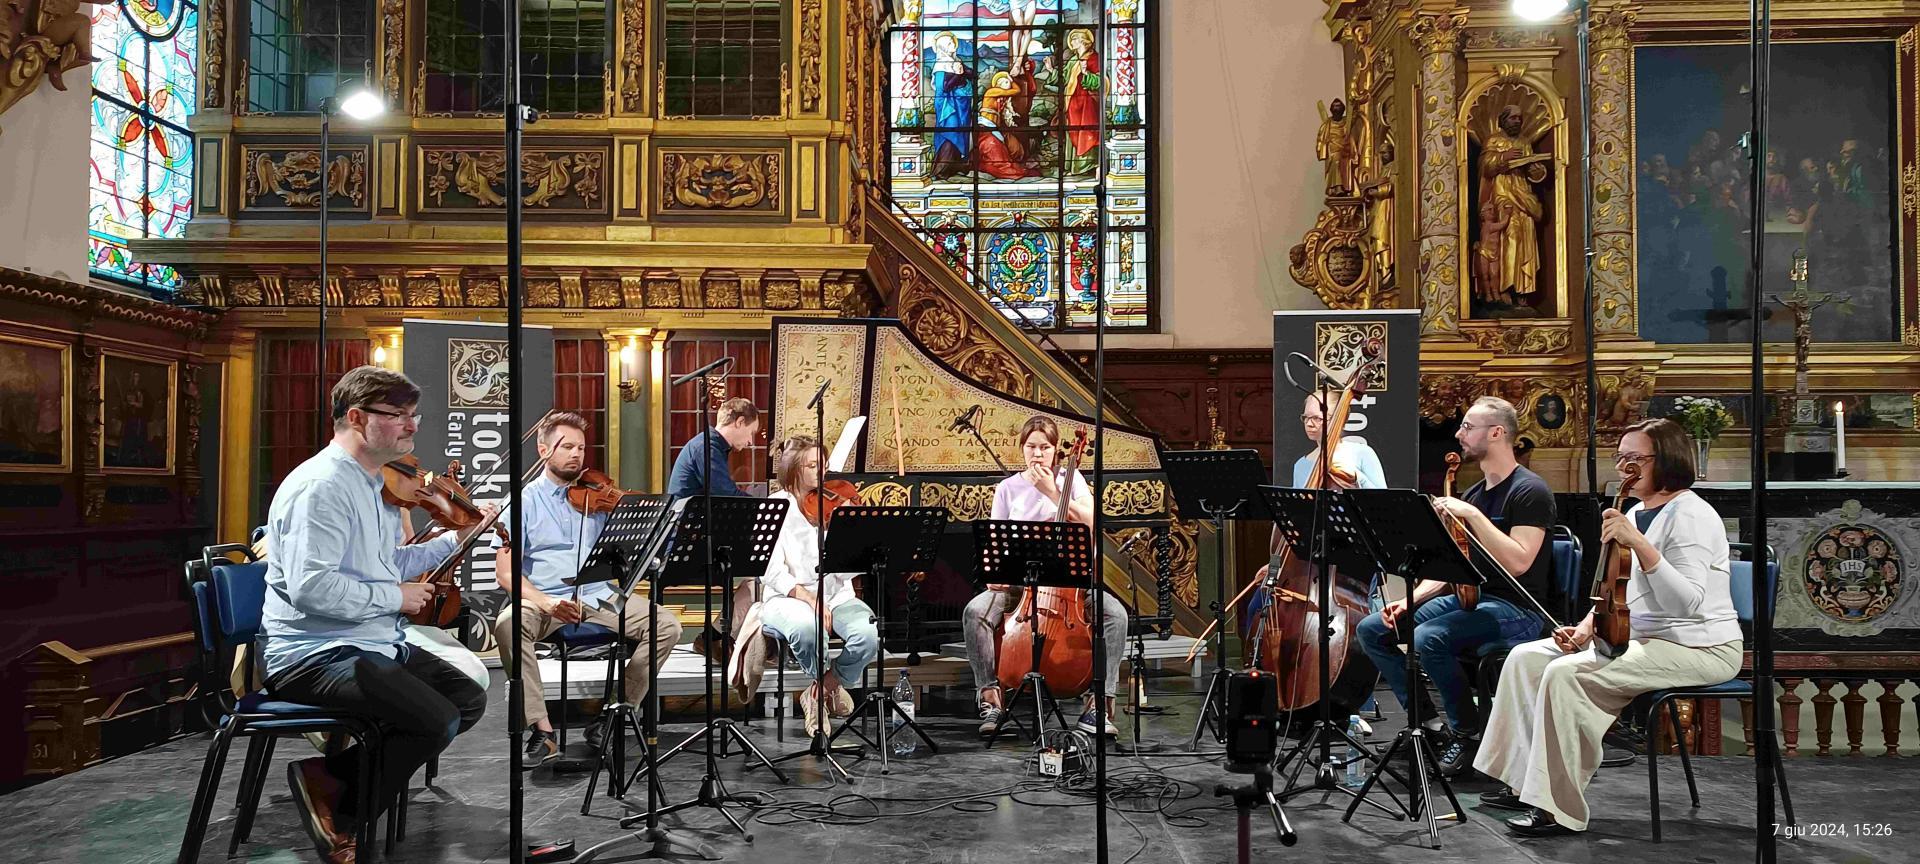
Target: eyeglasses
pixel 1624 458
pixel 409 417
pixel 1469 427
pixel 1312 418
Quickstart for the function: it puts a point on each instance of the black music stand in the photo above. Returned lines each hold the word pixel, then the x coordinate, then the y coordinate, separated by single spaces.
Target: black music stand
pixel 742 538
pixel 862 539
pixel 620 555
pixel 1036 555
pixel 1217 485
pixel 1343 544
pixel 1410 542
pixel 629 547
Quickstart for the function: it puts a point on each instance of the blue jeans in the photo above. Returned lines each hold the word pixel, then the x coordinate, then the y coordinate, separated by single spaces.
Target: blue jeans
pixel 1442 632
pixel 795 623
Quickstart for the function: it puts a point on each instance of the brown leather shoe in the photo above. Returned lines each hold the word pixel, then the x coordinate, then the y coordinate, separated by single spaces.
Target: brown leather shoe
pixel 317 794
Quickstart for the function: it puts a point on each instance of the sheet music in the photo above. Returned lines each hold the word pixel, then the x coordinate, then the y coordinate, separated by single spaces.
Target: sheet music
pixel 843 448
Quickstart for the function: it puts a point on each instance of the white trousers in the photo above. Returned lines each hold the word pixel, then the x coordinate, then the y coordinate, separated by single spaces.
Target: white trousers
pixel 1552 709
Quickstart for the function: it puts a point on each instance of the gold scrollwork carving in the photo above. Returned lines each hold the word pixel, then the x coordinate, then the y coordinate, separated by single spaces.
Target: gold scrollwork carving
pixel 720 181
pixel 1183 560
pixel 393 39
pixel 603 293
pixel 812 27
pixel 633 49
pixel 482 290
pixel 553 179
pixel 1444 397
pixel 1134 498
pixel 363 292
pixel 887 493
pixel 967 502
pixel 41 40
pixel 543 292
pixel 1911 336
pixel 1612 27
pixel 293 176
pixel 213 89
pixel 951 336
pixel 1333 260
pixel 1549 338
pixel 423 291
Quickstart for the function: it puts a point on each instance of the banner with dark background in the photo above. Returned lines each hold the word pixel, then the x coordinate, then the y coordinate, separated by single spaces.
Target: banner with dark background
pixel 1387 416
pixel 461 369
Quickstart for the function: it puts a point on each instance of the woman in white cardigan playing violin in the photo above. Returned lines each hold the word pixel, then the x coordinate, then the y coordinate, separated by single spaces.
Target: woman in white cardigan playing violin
pixel 1558 696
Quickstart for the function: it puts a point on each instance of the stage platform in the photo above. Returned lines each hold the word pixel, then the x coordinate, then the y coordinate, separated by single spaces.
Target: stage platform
pixel 131 810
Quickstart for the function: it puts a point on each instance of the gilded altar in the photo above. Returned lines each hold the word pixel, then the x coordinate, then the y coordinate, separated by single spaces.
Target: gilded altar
pixel 1462 131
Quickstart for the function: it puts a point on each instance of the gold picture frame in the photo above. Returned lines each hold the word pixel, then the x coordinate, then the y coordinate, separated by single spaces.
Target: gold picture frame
pixel 22 410
pixel 127 443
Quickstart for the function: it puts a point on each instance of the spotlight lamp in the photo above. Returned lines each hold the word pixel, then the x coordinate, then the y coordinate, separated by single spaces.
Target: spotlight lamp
pixel 1539 10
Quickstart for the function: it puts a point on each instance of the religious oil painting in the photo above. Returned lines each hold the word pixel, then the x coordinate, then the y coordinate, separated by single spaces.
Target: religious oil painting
pixel 137 412
pixel 35 380
pixel 1829 193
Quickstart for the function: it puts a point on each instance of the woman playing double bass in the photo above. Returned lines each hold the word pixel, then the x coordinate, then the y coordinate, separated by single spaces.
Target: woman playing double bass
pixel 1558 696
pixel 1034 495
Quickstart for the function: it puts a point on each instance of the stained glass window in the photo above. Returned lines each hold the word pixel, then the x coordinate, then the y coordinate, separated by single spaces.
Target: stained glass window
pixel 995 149
pixel 141 154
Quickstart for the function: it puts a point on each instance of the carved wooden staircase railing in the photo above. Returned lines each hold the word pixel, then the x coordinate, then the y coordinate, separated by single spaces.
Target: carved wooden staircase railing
pixel 936 303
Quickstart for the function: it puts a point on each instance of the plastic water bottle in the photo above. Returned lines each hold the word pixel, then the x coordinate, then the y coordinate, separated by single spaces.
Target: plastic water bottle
pixel 905 743
pixel 1356 774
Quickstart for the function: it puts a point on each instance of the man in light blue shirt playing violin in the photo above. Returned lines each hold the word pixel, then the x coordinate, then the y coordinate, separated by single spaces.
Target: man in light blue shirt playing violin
pixel 338 588
pixel 558 538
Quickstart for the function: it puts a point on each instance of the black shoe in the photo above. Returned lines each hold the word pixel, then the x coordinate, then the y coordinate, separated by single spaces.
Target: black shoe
pixel 541 749
pixel 1457 758
pixel 1616 757
pixel 1537 823
pixel 1503 799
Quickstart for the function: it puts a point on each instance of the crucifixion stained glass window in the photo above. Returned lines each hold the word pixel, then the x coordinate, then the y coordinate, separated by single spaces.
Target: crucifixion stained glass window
pixel 996 146
pixel 140 152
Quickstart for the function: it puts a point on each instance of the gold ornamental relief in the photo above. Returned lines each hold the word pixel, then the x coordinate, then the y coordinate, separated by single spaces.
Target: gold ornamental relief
pixel 473 179
pixel 886 493
pixel 1134 498
pixel 289 178
pixel 1530 338
pixel 813 26
pixel 744 181
pixel 1333 258
pixel 633 47
pixel 213 89
pixel 393 40
pixel 967 502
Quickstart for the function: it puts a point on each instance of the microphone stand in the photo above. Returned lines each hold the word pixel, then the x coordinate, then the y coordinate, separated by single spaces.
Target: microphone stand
pixel 817 744
pixel 966 422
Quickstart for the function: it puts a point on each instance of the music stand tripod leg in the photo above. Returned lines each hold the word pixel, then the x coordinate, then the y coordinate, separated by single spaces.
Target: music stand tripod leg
pixel 1213 706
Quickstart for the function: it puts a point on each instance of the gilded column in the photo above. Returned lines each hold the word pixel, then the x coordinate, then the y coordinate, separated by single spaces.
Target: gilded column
pixel 393 44
pixel 1438 35
pixel 1611 73
pixel 657 411
pixel 616 371
pixel 237 421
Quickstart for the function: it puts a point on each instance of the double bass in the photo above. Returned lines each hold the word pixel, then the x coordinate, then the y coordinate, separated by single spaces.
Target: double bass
pixel 1063 617
pixel 1289 624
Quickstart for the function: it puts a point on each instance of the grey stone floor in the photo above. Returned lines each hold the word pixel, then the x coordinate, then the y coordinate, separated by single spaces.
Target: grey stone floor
pixel 133 809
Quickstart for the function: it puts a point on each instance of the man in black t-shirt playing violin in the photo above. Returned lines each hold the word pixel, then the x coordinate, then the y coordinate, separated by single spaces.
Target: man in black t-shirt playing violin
pixel 1509 513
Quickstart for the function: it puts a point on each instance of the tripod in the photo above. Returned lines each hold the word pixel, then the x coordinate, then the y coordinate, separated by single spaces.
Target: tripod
pixel 1200 479
pixel 1254 794
pixel 1307 519
pixel 719 525
pixel 1409 540
pixel 861 533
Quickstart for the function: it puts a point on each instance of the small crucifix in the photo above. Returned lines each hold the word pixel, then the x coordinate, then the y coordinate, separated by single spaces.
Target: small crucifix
pixel 1801 302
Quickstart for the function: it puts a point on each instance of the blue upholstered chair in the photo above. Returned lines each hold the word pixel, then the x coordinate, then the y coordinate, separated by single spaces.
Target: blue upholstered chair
pixel 1741 586
pixel 227 597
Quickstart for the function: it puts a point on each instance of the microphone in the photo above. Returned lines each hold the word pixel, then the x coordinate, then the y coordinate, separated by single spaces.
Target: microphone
pixel 820 393
pixel 1132 540
pixel 1318 369
pixel 702 371
pixel 965 420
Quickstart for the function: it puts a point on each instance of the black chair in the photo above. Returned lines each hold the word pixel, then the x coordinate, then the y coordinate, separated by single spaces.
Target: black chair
pixel 1741 585
pixel 573 638
pixel 227 603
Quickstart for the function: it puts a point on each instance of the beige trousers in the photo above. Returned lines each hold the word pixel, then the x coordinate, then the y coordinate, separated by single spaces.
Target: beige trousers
pixel 1552 709
pixel 536 625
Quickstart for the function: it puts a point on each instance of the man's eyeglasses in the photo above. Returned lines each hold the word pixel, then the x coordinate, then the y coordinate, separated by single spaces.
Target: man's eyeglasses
pixel 409 417
pixel 1469 427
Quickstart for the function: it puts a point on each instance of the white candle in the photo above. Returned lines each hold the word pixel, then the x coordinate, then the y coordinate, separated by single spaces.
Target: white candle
pixel 1839 438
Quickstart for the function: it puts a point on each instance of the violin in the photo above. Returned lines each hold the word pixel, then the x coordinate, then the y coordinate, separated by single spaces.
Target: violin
pixel 1063 617
pixel 407 485
pixel 820 503
pixel 593 492
pixel 1469 594
pixel 1611 628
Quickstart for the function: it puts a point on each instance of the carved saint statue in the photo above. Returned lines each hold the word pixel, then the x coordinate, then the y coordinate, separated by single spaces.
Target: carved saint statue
pixel 1506 260
pixel 1334 146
